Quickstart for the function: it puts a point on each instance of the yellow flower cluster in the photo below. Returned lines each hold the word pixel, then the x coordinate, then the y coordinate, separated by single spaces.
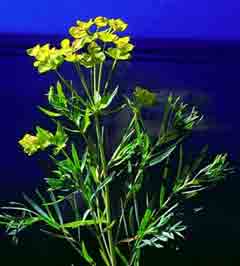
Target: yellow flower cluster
pixel 30 144
pixel 96 35
pixel 144 97
pixel 46 58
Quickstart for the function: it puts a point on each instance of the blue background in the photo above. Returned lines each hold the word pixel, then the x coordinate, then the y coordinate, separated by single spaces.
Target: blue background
pixel 153 18
pixel 189 47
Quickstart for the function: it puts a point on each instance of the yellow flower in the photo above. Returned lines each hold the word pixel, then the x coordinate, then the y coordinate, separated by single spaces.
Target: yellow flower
pixel 81 30
pixel 87 60
pixel 85 25
pixel 144 97
pixel 73 57
pixel 118 54
pixel 46 58
pixel 65 47
pixel 30 144
pixel 107 36
pixel 33 51
pixel 93 48
pixel 121 52
pixel 121 42
pixel 101 21
pixel 77 32
pixel 117 24
pixel 79 43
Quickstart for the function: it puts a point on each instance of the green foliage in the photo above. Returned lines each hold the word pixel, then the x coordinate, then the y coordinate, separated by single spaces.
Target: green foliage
pixel 84 168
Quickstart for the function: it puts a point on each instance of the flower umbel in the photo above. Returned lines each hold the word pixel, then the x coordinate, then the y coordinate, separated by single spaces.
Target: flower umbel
pixel 30 144
pixel 144 97
pixel 84 33
pixel 46 58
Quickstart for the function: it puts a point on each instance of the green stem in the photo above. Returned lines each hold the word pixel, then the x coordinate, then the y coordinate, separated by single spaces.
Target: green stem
pixel 94 82
pixel 136 209
pixel 164 185
pixel 71 89
pixel 101 230
pixel 110 75
pixel 100 77
pixel 83 81
pixel 106 196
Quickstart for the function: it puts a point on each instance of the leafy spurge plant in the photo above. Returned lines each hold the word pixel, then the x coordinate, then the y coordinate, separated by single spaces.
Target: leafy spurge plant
pixel 85 167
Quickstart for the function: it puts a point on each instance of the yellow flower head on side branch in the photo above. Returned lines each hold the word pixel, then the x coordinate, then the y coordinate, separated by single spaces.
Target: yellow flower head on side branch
pixel 29 144
pixel 145 97
pixel 46 58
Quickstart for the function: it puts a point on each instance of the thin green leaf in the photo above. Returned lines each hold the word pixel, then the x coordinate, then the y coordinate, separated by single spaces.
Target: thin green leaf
pixel 49 113
pixel 84 159
pixel 180 162
pixel 86 255
pixel 131 220
pixel 144 222
pixel 200 158
pixel 75 157
pixel 18 209
pixel 160 156
pixel 164 123
pixel 102 185
pixel 43 203
pixel 121 256
pixel 104 257
pixel 49 220
pixel 61 94
pixel 36 207
pixel 79 223
pixel 56 207
pixel 106 100
pixel 85 122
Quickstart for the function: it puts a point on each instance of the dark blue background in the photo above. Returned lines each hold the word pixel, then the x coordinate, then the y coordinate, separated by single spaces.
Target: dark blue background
pixel 215 19
pixel 190 48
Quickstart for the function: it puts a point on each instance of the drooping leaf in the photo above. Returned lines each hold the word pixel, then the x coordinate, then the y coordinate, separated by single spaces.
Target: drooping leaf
pixel 49 113
pixel 42 214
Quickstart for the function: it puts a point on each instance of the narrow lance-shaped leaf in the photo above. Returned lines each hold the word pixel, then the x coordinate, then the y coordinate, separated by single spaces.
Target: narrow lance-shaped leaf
pixel 121 256
pixel 180 162
pixel 103 184
pixel 79 223
pixel 61 95
pixel 104 257
pixel 75 157
pixel 48 112
pixel 56 207
pixel 44 216
pixel 86 255
pixel 162 155
pixel 106 100
pixel 144 222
